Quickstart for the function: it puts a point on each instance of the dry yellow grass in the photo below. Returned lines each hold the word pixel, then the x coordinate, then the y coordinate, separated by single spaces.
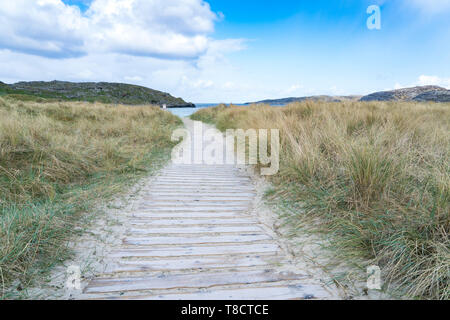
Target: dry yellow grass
pixel 376 174
pixel 56 161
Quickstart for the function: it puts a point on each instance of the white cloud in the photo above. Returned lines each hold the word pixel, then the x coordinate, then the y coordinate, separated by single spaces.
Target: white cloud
pixel 434 80
pixel 43 27
pixel 162 28
pixel 133 79
pixel 294 89
pixel 201 84
pixel 425 80
pixel 396 87
pixel 172 29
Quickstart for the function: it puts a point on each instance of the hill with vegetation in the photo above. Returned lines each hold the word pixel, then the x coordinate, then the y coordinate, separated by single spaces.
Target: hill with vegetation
pixel 104 92
pixel 421 94
pixel 322 98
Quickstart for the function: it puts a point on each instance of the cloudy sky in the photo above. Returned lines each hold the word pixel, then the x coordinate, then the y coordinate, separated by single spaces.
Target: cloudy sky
pixel 228 50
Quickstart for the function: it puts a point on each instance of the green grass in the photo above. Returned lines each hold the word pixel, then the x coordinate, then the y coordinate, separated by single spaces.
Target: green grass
pixel 373 178
pixel 107 93
pixel 58 162
pixel 209 116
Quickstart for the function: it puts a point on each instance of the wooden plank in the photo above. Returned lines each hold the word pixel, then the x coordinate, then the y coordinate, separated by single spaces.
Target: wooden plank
pixel 167 186
pixel 194 203
pixel 205 195
pixel 206 178
pixel 199 280
pixel 142 241
pixel 199 184
pixel 199 200
pixel 196 196
pixel 204 167
pixel 203 181
pixel 174 215
pixel 207 189
pixel 192 222
pixel 203 175
pixel 182 251
pixel 192 209
pixel 198 263
pixel 282 292
pixel 208 200
pixel 194 230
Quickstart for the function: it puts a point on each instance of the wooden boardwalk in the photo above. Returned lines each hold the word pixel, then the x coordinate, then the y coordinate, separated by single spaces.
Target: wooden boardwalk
pixel 193 236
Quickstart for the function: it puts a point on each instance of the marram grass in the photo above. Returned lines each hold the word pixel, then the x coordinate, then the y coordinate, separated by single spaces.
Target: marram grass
pixel 377 175
pixel 57 161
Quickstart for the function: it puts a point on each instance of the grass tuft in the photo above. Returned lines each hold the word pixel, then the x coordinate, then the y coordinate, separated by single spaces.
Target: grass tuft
pixel 57 161
pixel 377 175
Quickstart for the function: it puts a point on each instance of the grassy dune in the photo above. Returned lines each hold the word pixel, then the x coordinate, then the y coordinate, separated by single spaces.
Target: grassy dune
pixel 57 160
pixel 376 176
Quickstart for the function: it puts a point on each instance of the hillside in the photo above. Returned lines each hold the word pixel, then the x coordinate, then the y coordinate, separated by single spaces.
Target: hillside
pixel 3 86
pixel 420 94
pixel 322 98
pixel 103 92
pixel 423 93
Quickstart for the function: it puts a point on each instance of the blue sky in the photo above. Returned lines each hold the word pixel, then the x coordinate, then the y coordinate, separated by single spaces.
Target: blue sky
pixel 326 44
pixel 82 4
pixel 228 50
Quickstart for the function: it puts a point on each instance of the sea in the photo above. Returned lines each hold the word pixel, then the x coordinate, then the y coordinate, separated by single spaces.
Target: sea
pixel 187 112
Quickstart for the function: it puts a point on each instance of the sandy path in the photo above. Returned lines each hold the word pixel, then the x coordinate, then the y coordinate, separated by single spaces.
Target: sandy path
pixel 195 234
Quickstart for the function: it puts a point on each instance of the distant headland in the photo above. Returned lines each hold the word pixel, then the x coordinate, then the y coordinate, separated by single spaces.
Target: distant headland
pixel 419 94
pixel 104 92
